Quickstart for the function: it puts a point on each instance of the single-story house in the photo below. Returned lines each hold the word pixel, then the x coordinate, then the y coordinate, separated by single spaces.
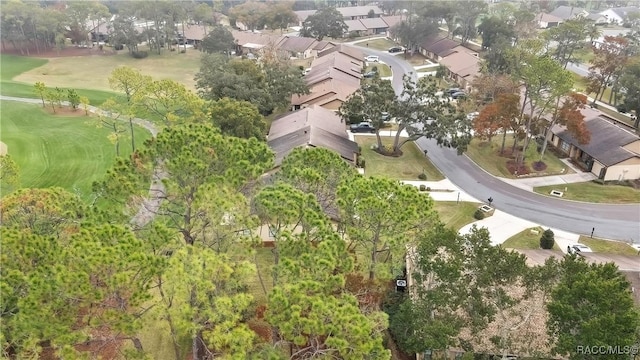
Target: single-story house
pixel 569 12
pixel 298 47
pixel 349 51
pixel 348 13
pixel 193 34
pixel 303 15
pixel 338 61
pixel 326 71
pixel 392 21
pixel 546 21
pixel 322 46
pixel 463 66
pixel 597 18
pixel 436 48
pixel 330 94
pixel 252 42
pixel 612 154
pixel 619 15
pixel 355 27
pixel 375 26
pixel 359 12
pixel 313 126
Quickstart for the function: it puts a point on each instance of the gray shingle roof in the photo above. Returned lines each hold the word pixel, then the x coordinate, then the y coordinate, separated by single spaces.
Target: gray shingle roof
pixel 312 126
pixel 607 140
pixel 568 12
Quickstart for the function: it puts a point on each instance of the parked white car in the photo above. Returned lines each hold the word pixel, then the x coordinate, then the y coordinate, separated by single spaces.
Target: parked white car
pixel 579 248
pixel 372 58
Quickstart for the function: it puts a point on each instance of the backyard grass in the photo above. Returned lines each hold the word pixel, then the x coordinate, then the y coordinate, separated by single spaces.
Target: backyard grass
pixel 66 151
pixel 77 71
pixel 383 69
pixel 487 157
pixel 431 68
pixel 416 59
pixel 377 44
pixel 608 246
pixel 593 192
pixel 12 66
pixel 526 240
pixel 456 215
pixel 406 167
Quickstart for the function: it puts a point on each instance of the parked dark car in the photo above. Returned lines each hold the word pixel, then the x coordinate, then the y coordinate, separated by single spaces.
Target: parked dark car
pixel 363 127
pixel 452 91
pixel 396 49
pixel 459 95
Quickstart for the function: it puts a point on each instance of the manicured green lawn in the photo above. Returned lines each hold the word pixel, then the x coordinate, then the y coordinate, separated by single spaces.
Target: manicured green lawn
pixel 487 156
pixel 12 66
pixel 594 192
pixel 608 246
pixel 526 240
pixel 377 44
pixel 66 151
pixel 383 69
pixel 456 215
pixel 406 167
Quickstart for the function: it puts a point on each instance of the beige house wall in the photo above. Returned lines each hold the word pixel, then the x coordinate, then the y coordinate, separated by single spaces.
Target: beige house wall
pixel 333 105
pixel 634 147
pixel 626 170
pixel 596 168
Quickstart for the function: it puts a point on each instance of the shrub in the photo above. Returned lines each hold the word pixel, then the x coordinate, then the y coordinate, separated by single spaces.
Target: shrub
pixel 361 162
pixel 183 51
pixel 478 215
pixel 422 176
pixel 428 188
pixel 547 240
pixel 139 54
pixel 73 98
pixel 423 187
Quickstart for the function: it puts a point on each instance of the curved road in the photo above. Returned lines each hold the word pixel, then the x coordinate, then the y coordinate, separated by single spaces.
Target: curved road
pixel 621 222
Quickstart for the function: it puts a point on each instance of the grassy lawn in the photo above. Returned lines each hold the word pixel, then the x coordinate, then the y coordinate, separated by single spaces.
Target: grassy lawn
pixel 416 59
pixel 406 167
pixel 487 157
pixel 456 215
pixel 377 44
pixel 264 264
pixel 594 192
pixel 526 240
pixel 13 66
pixel 77 71
pixel 608 246
pixel 383 69
pixel 66 151
pixel 431 68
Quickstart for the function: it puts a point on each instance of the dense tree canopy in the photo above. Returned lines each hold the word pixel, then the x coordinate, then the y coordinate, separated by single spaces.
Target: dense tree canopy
pixel 238 118
pixel 218 40
pixel 267 86
pixel 326 22
pixel 591 306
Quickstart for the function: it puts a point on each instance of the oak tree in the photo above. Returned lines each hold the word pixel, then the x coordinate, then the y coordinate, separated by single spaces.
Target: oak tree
pixel 238 118
pixel 326 22
pixel 611 56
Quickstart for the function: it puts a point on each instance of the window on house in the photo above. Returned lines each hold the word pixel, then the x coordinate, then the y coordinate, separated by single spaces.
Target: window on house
pixel 272 233
pixel 565 146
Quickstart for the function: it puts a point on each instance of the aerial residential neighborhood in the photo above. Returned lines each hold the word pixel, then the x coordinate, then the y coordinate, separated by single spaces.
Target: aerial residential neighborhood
pixel 258 179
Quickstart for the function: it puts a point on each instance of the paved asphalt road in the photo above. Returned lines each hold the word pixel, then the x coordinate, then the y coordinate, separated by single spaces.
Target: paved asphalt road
pixel 580 69
pixel 620 222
